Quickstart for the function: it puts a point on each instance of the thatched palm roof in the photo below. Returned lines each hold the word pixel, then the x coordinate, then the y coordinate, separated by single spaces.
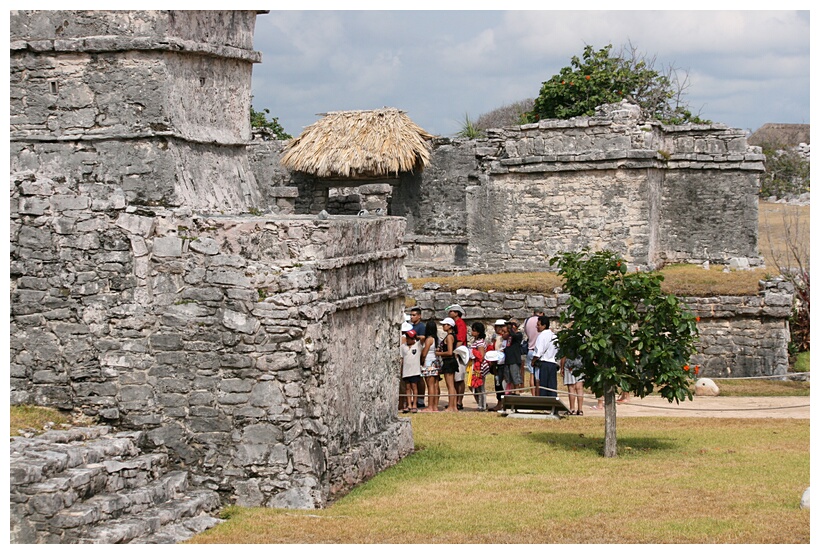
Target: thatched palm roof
pixel 361 143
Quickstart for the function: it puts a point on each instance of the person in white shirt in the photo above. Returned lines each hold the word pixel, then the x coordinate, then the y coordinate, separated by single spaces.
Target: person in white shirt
pixel 531 334
pixel 544 358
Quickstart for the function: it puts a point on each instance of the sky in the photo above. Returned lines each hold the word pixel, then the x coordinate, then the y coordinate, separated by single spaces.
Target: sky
pixel 745 68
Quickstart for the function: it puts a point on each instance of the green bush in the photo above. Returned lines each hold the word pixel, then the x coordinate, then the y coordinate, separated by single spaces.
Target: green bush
pixel 259 120
pixel 787 172
pixel 600 77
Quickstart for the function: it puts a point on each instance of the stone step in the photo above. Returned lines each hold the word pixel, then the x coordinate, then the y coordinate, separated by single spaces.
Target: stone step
pixel 104 507
pixel 86 485
pixel 170 522
pixel 33 460
pixel 62 491
pixel 178 532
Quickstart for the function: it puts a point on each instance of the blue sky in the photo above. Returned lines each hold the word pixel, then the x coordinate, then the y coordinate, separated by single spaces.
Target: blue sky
pixel 745 68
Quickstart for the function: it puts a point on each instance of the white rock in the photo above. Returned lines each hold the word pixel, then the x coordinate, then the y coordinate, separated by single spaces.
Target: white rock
pixel 706 387
pixel 804 501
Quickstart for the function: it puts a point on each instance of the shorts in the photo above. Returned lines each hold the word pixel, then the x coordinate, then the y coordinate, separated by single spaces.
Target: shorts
pixel 512 374
pixel 528 363
pixel 461 374
pixel 412 380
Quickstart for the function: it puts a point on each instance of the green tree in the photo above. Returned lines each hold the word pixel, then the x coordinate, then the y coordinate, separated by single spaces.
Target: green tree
pixel 259 120
pixel 629 335
pixel 787 172
pixel 601 77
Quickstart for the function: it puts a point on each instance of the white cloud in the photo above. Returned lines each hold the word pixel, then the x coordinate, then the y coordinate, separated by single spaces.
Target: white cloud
pixel 746 67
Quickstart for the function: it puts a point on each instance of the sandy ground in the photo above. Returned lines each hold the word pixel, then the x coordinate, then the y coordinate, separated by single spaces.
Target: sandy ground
pixel 700 406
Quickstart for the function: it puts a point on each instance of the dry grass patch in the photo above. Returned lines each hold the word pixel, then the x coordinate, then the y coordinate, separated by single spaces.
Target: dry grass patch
pixel 693 280
pixel 480 478
pixel 536 282
pixel 681 280
pixel 762 387
pixel 36 419
pixel 775 222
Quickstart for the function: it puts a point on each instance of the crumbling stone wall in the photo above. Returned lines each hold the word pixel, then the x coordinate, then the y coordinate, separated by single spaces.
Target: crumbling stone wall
pixel 142 297
pixel 656 194
pixel 260 352
pixel 740 336
pixel 153 102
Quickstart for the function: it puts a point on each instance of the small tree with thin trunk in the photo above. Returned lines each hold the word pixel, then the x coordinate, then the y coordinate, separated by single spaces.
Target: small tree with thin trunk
pixel 628 334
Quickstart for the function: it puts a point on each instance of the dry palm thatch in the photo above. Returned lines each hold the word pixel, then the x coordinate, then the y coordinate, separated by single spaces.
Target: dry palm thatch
pixel 361 143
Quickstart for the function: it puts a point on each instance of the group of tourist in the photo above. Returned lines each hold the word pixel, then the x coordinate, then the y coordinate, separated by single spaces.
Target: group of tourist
pixel 520 361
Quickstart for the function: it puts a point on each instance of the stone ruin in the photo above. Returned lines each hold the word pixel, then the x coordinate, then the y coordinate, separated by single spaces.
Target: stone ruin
pixel 258 351
pixel 513 200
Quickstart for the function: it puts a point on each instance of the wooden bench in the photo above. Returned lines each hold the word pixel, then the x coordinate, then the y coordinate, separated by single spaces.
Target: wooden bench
pixel 535 403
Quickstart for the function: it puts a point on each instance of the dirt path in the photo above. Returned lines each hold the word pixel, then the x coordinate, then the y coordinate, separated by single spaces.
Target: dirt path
pixel 700 406
pixel 713 406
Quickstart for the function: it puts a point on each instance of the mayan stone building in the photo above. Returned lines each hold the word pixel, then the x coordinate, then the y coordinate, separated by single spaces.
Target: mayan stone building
pixel 145 294
pixel 654 193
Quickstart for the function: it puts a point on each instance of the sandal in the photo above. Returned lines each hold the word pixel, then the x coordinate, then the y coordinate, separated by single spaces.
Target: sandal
pixel 579 412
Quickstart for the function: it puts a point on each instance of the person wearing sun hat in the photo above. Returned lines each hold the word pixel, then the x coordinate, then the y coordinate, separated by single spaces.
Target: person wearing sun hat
pixel 457 313
pixel 449 364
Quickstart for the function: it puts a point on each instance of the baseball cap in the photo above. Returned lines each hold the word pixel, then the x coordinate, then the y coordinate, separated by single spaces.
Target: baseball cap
pixel 448 321
pixel 410 334
pixel 499 322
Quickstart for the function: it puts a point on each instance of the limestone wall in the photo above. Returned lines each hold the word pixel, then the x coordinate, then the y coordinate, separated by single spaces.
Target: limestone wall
pixel 653 193
pixel 509 202
pixel 154 102
pixel 740 336
pixel 236 342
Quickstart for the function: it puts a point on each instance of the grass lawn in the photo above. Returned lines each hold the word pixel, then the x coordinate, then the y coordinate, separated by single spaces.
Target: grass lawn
pixel 801 364
pixel 480 478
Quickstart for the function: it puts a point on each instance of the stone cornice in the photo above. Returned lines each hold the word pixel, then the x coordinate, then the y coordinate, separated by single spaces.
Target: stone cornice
pixel 114 43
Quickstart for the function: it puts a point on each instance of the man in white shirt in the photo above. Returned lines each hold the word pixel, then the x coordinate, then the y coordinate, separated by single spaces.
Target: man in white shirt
pixel 543 358
pixel 531 334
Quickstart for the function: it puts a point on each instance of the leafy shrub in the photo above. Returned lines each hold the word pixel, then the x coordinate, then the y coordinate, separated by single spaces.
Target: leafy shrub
pixel 787 172
pixel 259 120
pixel 600 77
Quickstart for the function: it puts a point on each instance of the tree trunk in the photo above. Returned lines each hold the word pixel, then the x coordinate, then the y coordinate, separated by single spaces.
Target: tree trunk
pixel 610 440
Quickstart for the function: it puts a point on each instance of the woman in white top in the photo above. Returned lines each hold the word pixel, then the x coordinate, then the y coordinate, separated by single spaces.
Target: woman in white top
pixel 429 371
